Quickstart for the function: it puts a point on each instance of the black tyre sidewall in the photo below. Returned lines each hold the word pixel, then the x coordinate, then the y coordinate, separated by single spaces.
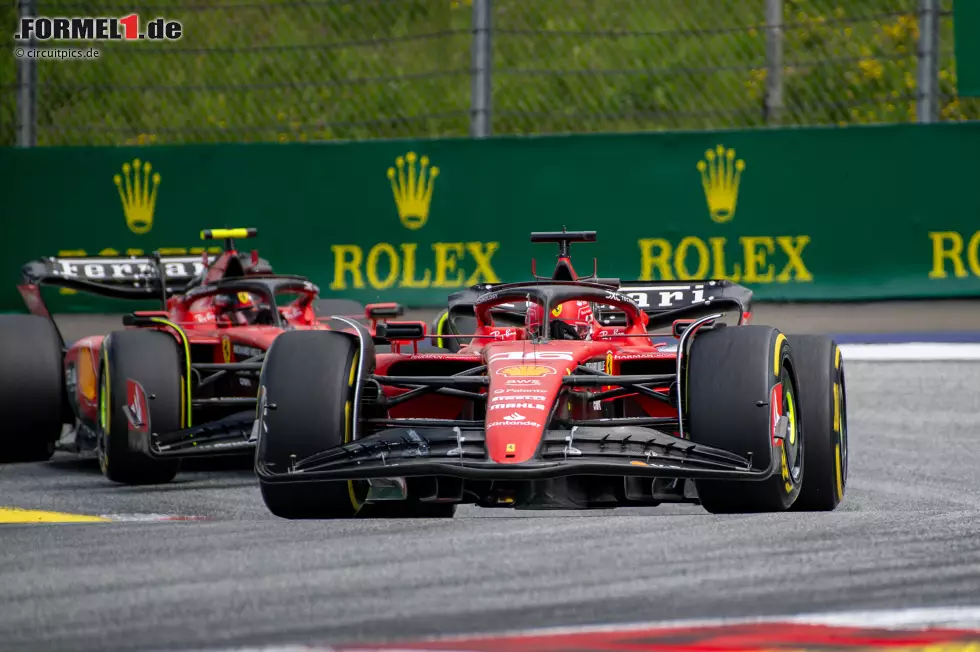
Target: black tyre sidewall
pixel 309 377
pixel 820 367
pixel 32 389
pixel 730 376
pixel 153 359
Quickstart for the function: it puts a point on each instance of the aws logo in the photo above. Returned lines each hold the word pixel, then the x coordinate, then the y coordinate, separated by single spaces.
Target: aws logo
pixel 138 195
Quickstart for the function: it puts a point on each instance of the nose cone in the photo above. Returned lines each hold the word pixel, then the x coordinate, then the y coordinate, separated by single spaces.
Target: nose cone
pixel 523 388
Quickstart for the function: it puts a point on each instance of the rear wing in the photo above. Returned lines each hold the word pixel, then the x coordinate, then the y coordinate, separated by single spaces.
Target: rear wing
pixel 669 299
pixel 121 277
pixel 662 301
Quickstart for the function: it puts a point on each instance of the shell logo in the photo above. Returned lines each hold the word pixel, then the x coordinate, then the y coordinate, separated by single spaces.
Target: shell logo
pixel 527 370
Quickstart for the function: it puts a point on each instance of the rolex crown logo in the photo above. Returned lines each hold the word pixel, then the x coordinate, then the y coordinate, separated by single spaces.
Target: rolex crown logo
pixel 138 198
pixel 412 189
pixel 720 176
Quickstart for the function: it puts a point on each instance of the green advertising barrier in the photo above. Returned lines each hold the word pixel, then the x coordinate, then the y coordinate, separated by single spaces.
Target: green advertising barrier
pixel 966 36
pixel 829 214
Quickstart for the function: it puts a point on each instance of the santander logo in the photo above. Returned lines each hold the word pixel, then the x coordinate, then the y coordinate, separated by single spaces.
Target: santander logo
pixel 515 417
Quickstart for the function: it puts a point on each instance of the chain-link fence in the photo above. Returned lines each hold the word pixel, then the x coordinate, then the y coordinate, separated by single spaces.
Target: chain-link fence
pixel 304 70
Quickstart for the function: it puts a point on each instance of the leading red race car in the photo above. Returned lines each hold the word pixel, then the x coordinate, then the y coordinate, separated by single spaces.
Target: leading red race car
pixel 559 397
pixel 178 382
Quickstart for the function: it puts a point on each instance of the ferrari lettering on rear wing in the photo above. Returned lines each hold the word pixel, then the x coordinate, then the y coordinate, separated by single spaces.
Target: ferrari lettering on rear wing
pixel 656 298
pixel 132 271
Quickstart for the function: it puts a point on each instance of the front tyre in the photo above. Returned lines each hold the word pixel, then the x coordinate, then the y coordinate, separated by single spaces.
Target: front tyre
pixel 152 359
pixel 310 377
pixel 733 376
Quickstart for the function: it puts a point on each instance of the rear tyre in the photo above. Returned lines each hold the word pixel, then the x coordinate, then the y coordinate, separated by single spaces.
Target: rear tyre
pixel 152 359
pixel 821 373
pixel 32 390
pixel 731 376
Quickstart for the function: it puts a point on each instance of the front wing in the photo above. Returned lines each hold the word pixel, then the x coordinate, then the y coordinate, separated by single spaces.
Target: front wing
pixel 461 453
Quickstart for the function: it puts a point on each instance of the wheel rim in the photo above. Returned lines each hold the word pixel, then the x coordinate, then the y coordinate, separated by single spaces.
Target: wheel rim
pixel 793 444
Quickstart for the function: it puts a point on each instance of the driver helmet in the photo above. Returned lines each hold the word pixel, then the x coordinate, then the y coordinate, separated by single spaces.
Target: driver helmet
pixel 577 315
pixel 239 307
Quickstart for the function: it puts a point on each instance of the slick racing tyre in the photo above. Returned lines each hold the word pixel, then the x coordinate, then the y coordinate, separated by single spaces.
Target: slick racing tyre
pixel 151 359
pixel 732 373
pixel 821 374
pixel 310 377
pixel 32 394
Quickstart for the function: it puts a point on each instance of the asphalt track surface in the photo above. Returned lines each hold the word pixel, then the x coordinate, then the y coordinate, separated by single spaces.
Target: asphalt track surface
pixel 908 535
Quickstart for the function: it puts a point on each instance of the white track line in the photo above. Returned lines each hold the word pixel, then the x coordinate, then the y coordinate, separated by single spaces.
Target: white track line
pixel 910 352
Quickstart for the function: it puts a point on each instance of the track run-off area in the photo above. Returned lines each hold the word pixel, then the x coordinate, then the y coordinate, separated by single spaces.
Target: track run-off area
pixel 200 564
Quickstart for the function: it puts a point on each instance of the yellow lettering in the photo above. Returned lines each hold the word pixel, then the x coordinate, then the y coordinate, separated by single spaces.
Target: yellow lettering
pixel 660 261
pixel 447 256
pixel 793 248
pixel 173 251
pixel 482 253
pixel 134 252
pixel 971 253
pixel 940 253
pixel 68 253
pixel 372 266
pixel 408 268
pixel 718 251
pixel 680 258
pixel 754 258
pixel 342 265
pixel 109 252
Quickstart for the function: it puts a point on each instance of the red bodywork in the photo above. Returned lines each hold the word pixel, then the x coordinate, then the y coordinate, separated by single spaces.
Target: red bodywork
pixel 211 338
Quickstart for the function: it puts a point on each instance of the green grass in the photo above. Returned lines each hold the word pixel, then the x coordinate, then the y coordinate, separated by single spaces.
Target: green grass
pixel 285 71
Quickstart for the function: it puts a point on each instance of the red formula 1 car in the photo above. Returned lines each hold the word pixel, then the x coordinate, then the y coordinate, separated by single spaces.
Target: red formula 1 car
pixel 178 382
pixel 561 396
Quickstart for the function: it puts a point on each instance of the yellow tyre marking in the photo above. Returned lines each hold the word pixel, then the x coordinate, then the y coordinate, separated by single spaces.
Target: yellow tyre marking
pixel 185 415
pixel 439 327
pixel 348 408
pixel 840 476
pixel 105 409
pixel 779 348
pixel 18 515
pixel 837 358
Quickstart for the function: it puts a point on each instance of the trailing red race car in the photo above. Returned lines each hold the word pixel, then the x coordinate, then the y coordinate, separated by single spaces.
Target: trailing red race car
pixel 178 382
pixel 567 392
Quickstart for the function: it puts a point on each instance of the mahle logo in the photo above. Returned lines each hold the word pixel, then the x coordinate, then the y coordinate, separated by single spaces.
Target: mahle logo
pixel 139 200
pixel 721 174
pixel 412 189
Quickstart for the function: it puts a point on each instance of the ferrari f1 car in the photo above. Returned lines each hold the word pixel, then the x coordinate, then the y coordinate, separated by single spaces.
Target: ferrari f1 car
pixel 666 395
pixel 179 382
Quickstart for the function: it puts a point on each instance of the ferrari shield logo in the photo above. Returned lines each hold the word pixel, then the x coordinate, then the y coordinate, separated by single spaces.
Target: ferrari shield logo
pixel 226 348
